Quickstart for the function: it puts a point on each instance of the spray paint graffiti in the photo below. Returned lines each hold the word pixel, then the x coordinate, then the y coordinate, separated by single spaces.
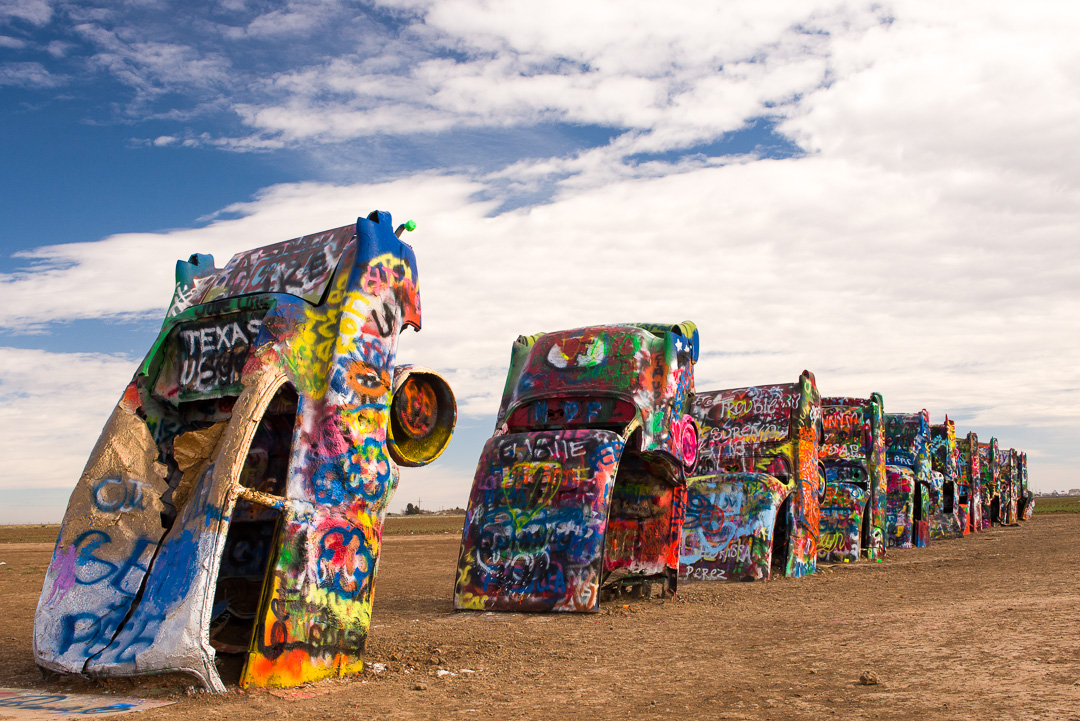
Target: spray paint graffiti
pixel 534 533
pixel 582 487
pixel 901 506
pixel 209 356
pixel 235 499
pixel 1006 460
pixel 758 472
pixel 854 509
pixel 16 703
pixel 970 487
pixel 988 466
pixel 1026 500
pixel 907 446
pixel 729 526
pixel 944 518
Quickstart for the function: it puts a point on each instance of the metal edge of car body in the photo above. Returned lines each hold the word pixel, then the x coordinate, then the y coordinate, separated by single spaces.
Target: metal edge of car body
pixel 853 510
pixel 757 472
pixel 282 360
pixel 588 415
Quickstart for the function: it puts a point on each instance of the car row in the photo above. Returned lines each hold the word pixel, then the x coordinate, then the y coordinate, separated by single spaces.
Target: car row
pixel 230 515
pixel 609 473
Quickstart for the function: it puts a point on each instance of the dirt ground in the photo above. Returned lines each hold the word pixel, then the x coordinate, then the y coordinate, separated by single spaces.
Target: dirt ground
pixel 983 627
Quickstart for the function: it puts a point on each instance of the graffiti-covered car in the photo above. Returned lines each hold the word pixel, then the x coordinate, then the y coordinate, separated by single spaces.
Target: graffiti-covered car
pixel 1007 486
pixel 910 479
pixel 1027 498
pixel 970 486
pixel 853 453
pixel 583 485
pixel 990 488
pixel 233 504
pixel 944 517
pixel 753 502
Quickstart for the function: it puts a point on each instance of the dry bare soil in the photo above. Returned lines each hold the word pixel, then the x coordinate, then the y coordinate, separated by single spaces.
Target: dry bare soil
pixel 982 627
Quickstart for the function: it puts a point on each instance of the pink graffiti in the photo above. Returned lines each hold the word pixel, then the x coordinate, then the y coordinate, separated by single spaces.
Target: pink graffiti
pixel 685 436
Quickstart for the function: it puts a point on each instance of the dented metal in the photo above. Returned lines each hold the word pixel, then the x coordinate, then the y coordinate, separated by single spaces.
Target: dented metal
pixel 235 499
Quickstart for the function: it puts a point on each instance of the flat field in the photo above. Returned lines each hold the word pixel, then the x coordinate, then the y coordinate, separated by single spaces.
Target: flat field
pixel 1066 504
pixel 987 627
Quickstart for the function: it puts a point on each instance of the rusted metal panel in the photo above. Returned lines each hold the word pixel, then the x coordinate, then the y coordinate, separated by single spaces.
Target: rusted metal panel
pixel 235 500
pixel 853 513
pixel 582 488
pixel 754 497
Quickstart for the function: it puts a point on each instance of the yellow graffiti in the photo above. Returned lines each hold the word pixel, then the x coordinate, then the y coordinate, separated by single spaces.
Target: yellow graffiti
pixel 472 601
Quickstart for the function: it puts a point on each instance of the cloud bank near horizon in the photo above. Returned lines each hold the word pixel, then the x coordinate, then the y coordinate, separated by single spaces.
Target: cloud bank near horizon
pixel 842 282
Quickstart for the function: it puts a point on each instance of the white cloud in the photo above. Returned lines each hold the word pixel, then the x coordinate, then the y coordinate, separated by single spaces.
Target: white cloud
pixel 133 274
pixel 52 409
pixel 29 75
pixel 875 280
pixel 686 75
pixel 58 48
pixel 297 18
pixel 866 78
pixel 951 86
pixel 152 68
pixel 35 12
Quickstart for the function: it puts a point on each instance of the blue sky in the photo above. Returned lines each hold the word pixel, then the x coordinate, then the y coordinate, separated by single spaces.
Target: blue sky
pixel 884 193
